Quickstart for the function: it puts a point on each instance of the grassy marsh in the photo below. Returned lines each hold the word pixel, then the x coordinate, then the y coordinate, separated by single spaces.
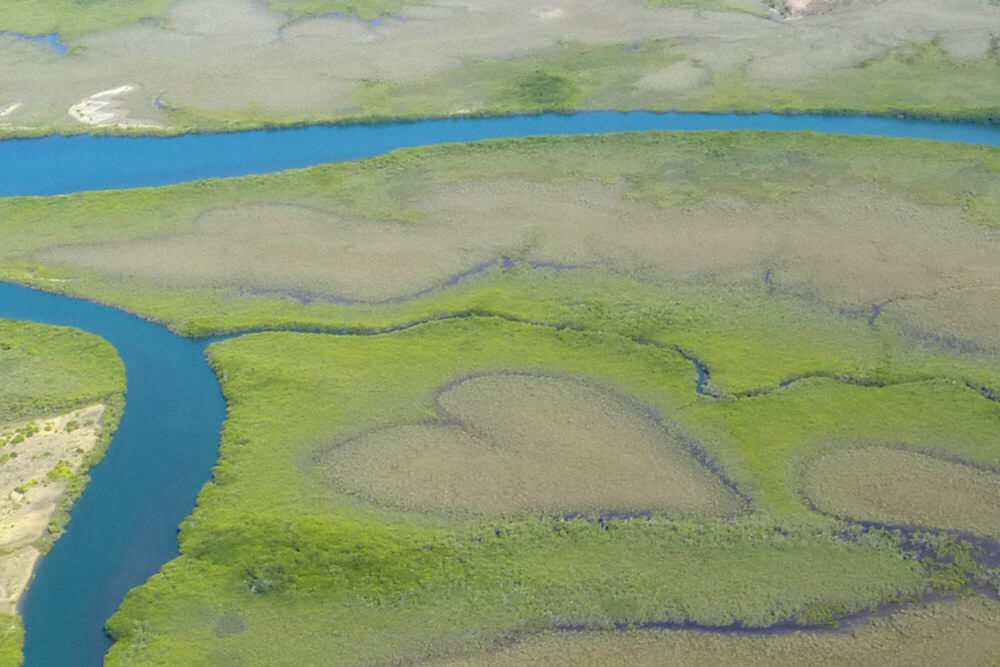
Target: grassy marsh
pixel 71 19
pixel 327 519
pixel 294 550
pixel 907 227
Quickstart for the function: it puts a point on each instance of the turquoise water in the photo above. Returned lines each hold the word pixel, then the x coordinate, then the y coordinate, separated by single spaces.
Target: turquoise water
pixel 124 528
pixel 57 164
pixel 125 525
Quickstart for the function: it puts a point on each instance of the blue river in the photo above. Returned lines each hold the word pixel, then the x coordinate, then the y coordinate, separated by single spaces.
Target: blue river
pixel 124 527
pixel 58 164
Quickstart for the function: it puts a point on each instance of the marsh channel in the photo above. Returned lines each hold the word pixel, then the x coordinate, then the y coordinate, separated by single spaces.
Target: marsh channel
pixel 124 527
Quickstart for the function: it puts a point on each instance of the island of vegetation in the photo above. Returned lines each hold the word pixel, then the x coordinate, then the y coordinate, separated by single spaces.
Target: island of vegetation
pixel 609 398
pixel 61 396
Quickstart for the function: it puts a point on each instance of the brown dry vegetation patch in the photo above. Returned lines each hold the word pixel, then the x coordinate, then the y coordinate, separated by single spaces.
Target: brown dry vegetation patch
pixel 961 632
pixel 852 246
pixel 895 486
pixel 516 443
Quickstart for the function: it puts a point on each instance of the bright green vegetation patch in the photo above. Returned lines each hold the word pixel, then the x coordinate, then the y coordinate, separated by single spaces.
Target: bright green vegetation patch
pixel 963 632
pixel 73 18
pixel 46 370
pixel 11 639
pixel 896 486
pixel 516 442
pixel 275 551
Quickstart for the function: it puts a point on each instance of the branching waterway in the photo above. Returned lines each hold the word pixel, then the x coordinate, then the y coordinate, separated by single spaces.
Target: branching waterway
pixel 124 527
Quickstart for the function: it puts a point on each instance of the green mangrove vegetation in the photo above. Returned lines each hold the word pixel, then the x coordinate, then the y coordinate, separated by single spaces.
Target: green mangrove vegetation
pixel 45 372
pixel 556 395
pixel 277 538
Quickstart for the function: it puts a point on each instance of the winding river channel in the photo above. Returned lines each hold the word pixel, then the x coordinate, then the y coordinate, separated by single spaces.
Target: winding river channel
pixel 124 527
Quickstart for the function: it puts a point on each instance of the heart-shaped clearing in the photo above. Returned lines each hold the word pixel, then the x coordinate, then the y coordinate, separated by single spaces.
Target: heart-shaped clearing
pixel 512 442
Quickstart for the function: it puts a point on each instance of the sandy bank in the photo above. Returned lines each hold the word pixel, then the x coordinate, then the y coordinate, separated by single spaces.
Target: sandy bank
pixel 33 470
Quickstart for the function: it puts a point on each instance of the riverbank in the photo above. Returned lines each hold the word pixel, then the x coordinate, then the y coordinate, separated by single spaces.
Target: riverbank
pixel 45 460
pixel 39 461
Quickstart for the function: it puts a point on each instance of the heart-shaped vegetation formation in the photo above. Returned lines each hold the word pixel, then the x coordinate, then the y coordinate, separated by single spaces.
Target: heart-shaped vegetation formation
pixel 902 487
pixel 512 442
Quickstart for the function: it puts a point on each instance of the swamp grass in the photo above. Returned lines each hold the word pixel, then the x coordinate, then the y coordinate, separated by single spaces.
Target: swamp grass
pixel 276 545
pixel 515 442
pixel 278 549
pixel 965 631
pixel 918 79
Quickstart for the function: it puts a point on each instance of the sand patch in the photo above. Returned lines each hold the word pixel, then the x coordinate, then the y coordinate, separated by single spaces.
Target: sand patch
pixel 520 443
pixel 32 488
pixel 105 108
pixel 901 487
pixel 548 14
pixel 9 109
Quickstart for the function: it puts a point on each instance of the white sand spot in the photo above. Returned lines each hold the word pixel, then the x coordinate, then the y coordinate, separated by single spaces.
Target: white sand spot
pixel 548 14
pixel 9 109
pixel 104 108
pixel 796 6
